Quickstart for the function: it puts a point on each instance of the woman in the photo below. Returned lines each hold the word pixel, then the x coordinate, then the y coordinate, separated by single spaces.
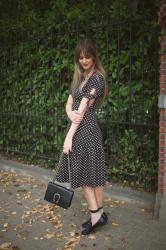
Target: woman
pixel 83 141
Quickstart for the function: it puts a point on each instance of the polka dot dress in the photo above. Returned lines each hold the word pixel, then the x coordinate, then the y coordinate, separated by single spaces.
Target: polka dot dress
pixel 87 158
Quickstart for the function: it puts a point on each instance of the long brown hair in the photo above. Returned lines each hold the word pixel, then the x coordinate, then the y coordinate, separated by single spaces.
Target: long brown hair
pixel 87 48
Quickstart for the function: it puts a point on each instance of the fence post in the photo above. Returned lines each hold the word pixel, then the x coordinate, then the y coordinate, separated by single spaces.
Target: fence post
pixel 160 205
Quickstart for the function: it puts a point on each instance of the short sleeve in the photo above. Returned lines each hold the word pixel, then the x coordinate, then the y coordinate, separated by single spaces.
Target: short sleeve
pixel 95 82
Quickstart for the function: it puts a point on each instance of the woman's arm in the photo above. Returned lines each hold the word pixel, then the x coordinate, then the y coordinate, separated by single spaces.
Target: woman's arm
pixel 81 111
pixel 69 105
pixel 73 115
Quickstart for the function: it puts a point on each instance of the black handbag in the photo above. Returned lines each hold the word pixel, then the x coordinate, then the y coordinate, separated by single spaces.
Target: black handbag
pixel 58 194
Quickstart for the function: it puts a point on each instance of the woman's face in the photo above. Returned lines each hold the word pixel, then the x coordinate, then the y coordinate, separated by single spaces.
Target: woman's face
pixel 86 62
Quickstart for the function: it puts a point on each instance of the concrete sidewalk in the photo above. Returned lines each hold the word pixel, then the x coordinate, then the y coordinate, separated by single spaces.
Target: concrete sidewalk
pixel 28 222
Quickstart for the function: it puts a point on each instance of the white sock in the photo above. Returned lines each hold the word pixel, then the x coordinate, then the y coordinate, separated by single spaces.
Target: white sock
pixel 101 210
pixel 95 216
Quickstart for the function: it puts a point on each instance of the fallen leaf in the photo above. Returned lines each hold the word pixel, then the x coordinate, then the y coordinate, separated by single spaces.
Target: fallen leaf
pixel 58 226
pixel 49 235
pixel 107 200
pixel 5 245
pixel 72 225
pixel 92 237
pixel 14 212
pixel 27 212
pixel 27 207
pixel 71 241
pixel 115 224
pixel 36 238
pixel 108 237
pixel 117 202
pixel 17 227
pixel 59 235
pixel 37 199
pixel 72 233
pixel 48 230
pixel 84 204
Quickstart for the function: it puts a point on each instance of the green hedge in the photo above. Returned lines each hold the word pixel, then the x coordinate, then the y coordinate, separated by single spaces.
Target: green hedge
pixel 36 56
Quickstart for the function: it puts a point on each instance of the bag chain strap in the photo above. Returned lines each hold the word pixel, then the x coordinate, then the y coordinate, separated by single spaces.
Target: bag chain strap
pixel 54 178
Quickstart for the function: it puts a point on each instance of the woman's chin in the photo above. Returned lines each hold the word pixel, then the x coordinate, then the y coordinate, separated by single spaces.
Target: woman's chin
pixel 87 68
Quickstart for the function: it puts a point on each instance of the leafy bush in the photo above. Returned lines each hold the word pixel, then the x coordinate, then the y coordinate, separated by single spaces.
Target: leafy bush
pixel 36 56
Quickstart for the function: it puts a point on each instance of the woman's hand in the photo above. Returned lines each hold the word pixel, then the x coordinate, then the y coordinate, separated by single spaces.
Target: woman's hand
pixel 67 146
pixel 75 116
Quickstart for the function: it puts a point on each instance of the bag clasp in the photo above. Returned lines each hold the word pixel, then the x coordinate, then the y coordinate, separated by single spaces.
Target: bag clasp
pixel 56 197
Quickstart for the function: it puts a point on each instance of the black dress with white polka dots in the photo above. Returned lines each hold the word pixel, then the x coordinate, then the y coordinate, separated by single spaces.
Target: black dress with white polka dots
pixel 87 158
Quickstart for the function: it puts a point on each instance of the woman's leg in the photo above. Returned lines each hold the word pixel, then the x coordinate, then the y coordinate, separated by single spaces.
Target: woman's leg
pixel 99 197
pixel 89 194
pixel 90 197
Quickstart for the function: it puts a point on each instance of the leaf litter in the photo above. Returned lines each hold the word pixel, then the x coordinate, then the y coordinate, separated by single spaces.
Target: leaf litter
pixel 41 211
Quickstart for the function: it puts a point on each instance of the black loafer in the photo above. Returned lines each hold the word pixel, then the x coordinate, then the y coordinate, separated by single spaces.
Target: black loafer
pixel 86 222
pixel 89 220
pixel 89 228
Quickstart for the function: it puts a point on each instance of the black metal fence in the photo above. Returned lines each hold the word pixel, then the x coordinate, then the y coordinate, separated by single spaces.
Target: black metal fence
pixel 129 118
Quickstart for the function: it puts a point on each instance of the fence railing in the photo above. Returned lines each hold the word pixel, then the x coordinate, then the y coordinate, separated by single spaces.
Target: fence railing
pixel 35 77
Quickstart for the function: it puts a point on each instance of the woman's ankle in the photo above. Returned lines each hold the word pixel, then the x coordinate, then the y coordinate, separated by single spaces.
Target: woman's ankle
pixel 95 216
